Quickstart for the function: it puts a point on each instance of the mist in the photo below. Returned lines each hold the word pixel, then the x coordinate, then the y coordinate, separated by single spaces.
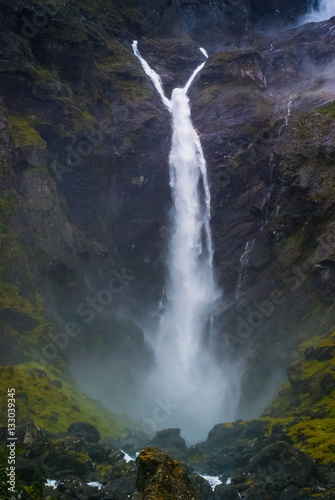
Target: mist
pixel 180 379
pixel 323 11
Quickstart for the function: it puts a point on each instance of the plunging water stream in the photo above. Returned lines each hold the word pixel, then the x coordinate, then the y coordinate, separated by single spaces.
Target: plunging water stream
pixel 186 370
pixel 323 11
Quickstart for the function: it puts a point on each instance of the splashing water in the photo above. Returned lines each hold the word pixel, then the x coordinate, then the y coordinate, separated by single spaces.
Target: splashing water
pixel 324 11
pixel 186 370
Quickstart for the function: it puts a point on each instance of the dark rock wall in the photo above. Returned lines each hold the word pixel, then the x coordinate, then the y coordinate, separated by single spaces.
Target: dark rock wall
pixel 84 189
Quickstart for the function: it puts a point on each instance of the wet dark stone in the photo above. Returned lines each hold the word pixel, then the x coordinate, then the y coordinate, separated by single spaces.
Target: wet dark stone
pixel 84 430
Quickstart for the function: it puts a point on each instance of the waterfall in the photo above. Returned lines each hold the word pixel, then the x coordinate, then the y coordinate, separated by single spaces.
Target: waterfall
pixel 287 117
pixel 267 199
pixel 244 260
pixel 186 370
pixel 323 11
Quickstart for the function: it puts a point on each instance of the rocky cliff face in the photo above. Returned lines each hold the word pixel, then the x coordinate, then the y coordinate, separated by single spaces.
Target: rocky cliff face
pixel 84 205
pixel 85 192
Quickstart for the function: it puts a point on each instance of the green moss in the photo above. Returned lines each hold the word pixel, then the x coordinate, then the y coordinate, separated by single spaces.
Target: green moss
pixel 32 314
pixel 89 118
pixel 316 123
pixel 126 78
pixel 312 342
pixel 8 202
pixel 51 407
pixel 305 397
pixel 37 484
pixel 271 422
pixel 229 425
pixel 102 471
pixel 109 64
pixel 328 109
pixel 316 438
pixel 25 135
pixel 45 75
pixel 224 57
pixel 4 493
pixel 83 458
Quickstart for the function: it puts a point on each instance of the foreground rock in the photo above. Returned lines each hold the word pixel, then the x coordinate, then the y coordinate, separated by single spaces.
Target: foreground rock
pixel 250 460
pixel 161 477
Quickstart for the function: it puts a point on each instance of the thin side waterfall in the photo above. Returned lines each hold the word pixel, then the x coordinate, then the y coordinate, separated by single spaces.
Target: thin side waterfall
pixel 244 260
pixel 267 199
pixel 324 10
pixel 186 370
pixel 287 117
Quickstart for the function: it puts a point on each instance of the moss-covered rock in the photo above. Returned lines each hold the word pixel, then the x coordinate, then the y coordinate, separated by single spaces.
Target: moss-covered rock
pixel 51 405
pixel 159 477
pixel 25 135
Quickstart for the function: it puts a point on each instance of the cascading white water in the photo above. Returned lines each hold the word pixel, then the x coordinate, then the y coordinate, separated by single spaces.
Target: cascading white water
pixel 186 370
pixel 325 10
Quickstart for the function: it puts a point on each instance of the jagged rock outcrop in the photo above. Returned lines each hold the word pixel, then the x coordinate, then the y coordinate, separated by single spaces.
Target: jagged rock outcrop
pixel 85 192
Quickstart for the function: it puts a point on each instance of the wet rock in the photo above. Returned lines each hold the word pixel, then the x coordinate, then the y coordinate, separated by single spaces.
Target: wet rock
pixel 225 492
pixel 84 430
pixel 99 453
pixel 221 433
pixel 159 475
pixel 309 352
pixel 120 488
pixel 170 441
pixel 169 438
pixel 77 489
pixel 281 460
pixel 202 486
pixel 290 493
pixel 34 439
pixel 62 461
pixel 254 429
pixel 223 462
pixel 115 455
pixel 25 468
pixel 321 353
pixel 327 384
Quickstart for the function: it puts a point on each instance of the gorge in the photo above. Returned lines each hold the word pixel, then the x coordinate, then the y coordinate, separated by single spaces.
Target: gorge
pixel 167 248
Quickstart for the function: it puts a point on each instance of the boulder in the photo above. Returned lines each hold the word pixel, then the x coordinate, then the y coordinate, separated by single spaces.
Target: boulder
pixel 161 477
pixel 320 354
pixel 99 453
pixel 281 461
pixel 115 455
pixel 84 430
pixel 169 438
pixel 120 488
pixel 226 492
pixel 170 441
pixel 222 433
pixel 202 485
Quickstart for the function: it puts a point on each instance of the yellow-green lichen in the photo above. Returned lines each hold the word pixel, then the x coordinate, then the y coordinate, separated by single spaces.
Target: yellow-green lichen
pixel 25 135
